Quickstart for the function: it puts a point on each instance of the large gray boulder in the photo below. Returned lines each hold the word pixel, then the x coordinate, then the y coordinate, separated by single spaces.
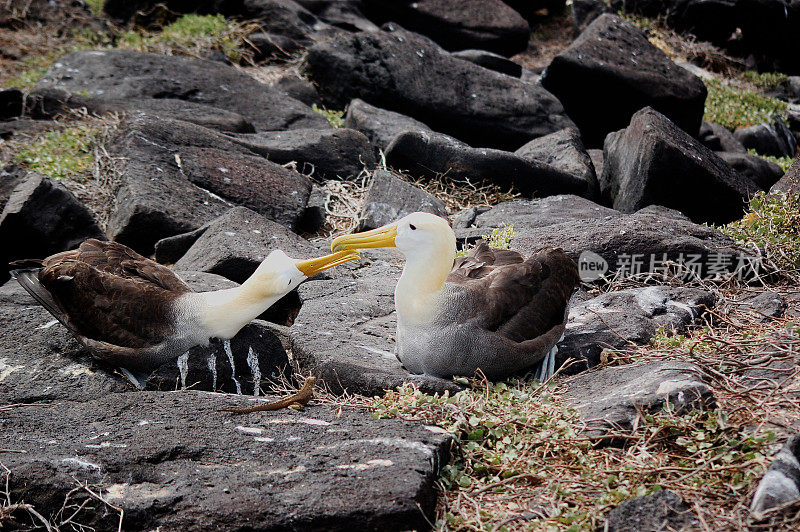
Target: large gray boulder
pixel 322 153
pixel 654 162
pixel 431 155
pixel 124 74
pixel 379 125
pixel 760 171
pixel 458 24
pixel 613 398
pixel 563 150
pixel 611 71
pixel 173 461
pixel 42 217
pixel 627 317
pixel 406 73
pixel 625 244
pixel 389 198
pixel 48 103
pixel 178 176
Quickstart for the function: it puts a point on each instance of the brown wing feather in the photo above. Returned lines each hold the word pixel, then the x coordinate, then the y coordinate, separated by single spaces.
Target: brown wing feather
pixel 113 294
pixel 520 299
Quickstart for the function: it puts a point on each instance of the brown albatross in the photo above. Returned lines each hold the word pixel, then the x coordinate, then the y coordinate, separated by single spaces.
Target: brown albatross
pixel 491 310
pixel 138 314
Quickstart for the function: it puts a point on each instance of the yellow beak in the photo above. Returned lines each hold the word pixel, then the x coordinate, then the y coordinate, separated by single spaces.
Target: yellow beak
pixel 311 266
pixel 382 237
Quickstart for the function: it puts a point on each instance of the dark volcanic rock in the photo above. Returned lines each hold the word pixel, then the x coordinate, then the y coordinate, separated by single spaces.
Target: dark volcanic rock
pixel 617 319
pixel 780 485
pixel 298 88
pixel 123 74
pixel 345 331
pixel 432 154
pixel 662 510
pixel 235 244
pixel 611 71
pixel 11 103
pixel 719 138
pixel 41 361
pixel 760 171
pixel 611 399
pixel 246 364
pixel 51 103
pixel 169 159
pixel 635 243
pixel 495 62
pixel 345 14
pixel 42 217
pixel 170 460
pixel 325 154
pixel 390 198
pixel 653 162
pixel 564 151
pixel 769 33
pixel 767 305
pixel 406 73
pixel 790 182
pixel 768 139
pixel 379 125
pixel 584 12
pixel 458 24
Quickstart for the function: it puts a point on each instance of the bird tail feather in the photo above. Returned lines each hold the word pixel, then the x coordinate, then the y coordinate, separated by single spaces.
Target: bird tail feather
pixel 29 280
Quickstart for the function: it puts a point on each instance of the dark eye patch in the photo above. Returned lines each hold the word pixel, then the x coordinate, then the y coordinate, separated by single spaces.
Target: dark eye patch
pixel 413 227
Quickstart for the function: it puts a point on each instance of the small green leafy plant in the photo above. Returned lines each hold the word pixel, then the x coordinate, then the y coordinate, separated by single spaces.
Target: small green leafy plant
pixel 772 222
pixel 335 118
pixel 500 238
pixel 735 108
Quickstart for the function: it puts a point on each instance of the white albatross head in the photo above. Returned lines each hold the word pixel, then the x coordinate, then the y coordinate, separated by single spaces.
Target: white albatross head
pixel 418 235
pixel 279 274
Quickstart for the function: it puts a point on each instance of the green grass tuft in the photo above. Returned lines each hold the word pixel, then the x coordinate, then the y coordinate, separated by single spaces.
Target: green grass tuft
pixel 192 35
pixel 60 154
pixel 95 6
pixel 773 222
pixel 335 118
pixel 735 108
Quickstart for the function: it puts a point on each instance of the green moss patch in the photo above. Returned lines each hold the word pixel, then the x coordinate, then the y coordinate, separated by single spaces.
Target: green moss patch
pixel 61 154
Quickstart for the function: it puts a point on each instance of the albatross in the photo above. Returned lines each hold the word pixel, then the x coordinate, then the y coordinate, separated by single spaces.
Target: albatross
pixel 491 310
pixel 137 314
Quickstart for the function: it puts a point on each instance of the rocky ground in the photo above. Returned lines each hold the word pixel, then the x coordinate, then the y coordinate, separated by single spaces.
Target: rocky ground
pixel 657 149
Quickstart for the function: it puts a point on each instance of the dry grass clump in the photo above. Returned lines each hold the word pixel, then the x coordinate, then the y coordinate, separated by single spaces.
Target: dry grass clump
pixel 460 194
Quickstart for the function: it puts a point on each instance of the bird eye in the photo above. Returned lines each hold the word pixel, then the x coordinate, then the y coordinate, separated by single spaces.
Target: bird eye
pixel 413 227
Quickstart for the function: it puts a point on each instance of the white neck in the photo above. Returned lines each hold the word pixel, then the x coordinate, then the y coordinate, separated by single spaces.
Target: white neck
pixel 222 313
pixel 421 284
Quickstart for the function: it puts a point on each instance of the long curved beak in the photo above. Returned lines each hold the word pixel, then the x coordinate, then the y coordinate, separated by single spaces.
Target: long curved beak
pixel 312 266
pixel 382 237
